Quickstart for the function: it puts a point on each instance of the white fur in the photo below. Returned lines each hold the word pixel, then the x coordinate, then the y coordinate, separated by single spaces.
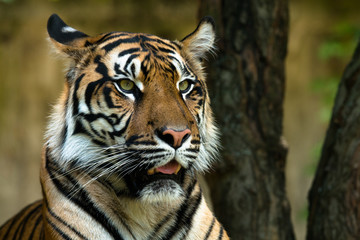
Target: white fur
pixel 203 41
pixel 68 29
pixel 171 194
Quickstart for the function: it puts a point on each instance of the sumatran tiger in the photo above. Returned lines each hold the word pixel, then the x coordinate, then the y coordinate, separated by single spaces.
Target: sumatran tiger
pixel 126 141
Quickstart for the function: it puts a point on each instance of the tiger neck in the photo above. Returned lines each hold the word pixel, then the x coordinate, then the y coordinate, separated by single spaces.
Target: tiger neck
pixel 86 204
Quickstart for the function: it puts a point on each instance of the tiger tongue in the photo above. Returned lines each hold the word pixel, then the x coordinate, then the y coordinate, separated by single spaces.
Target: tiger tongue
pixel 172 167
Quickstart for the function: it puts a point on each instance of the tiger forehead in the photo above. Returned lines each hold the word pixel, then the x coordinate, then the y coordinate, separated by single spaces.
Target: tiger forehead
pixel 115 39
pixel 143 56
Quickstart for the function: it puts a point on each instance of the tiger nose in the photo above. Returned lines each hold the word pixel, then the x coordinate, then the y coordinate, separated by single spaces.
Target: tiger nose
pixel 174 138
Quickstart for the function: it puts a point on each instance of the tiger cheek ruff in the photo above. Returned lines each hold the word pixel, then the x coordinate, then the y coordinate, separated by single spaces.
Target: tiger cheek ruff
pixel 126 140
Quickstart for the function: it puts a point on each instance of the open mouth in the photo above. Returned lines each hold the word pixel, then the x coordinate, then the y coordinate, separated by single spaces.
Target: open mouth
pixel 172 167
pixel 171 171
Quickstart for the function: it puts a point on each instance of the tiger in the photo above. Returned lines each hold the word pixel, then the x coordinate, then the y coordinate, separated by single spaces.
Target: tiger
pixel 126 141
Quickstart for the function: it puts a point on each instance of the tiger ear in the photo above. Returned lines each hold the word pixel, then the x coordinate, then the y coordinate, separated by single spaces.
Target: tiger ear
pixel 67 39
pixel 201 41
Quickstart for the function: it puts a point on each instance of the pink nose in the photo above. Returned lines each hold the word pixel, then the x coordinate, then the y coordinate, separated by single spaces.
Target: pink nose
pixel 174 138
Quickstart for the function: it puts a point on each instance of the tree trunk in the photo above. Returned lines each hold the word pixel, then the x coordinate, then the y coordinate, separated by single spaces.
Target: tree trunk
pixel 246 82
pixel 334 211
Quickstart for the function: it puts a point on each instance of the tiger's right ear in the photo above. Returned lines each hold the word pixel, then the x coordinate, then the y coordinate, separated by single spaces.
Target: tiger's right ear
pixel 67 39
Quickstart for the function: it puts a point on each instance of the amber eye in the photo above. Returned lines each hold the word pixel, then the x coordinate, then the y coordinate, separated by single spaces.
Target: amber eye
pixel 126 85
pixel 184 86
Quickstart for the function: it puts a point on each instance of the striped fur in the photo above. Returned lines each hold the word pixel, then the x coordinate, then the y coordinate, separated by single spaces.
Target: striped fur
pixel 125 142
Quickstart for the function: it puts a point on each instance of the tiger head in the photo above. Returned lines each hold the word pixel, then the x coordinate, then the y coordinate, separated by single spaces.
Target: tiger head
pixel 135 111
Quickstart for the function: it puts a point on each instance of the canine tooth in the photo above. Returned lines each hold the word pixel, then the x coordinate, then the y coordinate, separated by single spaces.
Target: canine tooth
pixel 151 171
pixel 178 169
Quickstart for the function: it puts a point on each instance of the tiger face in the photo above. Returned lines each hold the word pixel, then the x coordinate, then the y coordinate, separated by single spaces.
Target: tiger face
pixel 135 112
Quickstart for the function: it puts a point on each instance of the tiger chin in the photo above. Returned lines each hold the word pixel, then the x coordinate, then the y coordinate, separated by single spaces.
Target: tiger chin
pixel 130 133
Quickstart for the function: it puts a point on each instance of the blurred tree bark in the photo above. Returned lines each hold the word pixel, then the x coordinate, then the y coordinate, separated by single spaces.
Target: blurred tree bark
pixel 334 211
pixel 246 82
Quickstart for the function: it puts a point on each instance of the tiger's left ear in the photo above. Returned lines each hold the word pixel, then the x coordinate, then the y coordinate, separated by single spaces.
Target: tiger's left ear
pixel 201 41
pixel 67 39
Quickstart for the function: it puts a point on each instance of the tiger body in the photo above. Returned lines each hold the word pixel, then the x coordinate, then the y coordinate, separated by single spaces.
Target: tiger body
pixel 125 142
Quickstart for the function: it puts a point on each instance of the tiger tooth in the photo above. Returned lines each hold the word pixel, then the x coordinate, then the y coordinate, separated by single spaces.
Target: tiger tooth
pixel 151 171
pixel 178 169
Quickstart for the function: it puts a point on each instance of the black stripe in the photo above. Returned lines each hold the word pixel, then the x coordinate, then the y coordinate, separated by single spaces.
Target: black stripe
pixel 105 36
pixel 118 70
pixel 98 142
pixel 108 99
pixel 190 156
pixel 150 151
pixel 94 86
pixel 111 46
pixel 95 116
pixel 121 131
pixel 178 45
pixel 210 229
pixel 157 40
pixel 152 158
pixel 188 221
pixel 166 50
pixel 90 89
pixel 64 223
pixel 184 217
pixel 188 70
pixel 197 117
pixel 116 43
pixel 133 70
pixel 195 142
pixel 128 61
pixel 63 134
pixel 180 214
pixel 64 128
pixel 221 233
pixel 24 222
pixel 37 223
pixel 172 214
pixel 160 225
pixel 9 228
pixel 195 150
pixel 144 68
pixel 79 128
pixel 82 199
pixel 42 233
pixel 132 139
pixel 13 221
pixel 198 90
pixel 108 36
pixel 205 96
pixel 142 143
pixel 90 118
pixel 128 51
pixel 61 233
pixel 74 96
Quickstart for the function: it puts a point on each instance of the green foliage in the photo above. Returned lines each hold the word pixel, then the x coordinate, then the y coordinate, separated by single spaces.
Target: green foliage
pixel 303 213
pixel 341 42
pixel 326 88
pixel 310 169
pixel 334 52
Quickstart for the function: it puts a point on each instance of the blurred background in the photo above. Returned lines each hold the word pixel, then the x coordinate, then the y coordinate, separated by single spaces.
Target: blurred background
pixel 323 36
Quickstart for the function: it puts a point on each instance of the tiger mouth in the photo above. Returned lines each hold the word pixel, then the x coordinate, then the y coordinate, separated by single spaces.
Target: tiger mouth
pixel 171 171
pixel 173 167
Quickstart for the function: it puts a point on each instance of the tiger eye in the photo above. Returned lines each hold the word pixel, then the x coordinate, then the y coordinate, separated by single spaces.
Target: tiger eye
pixel 126 85
pixel 184 85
